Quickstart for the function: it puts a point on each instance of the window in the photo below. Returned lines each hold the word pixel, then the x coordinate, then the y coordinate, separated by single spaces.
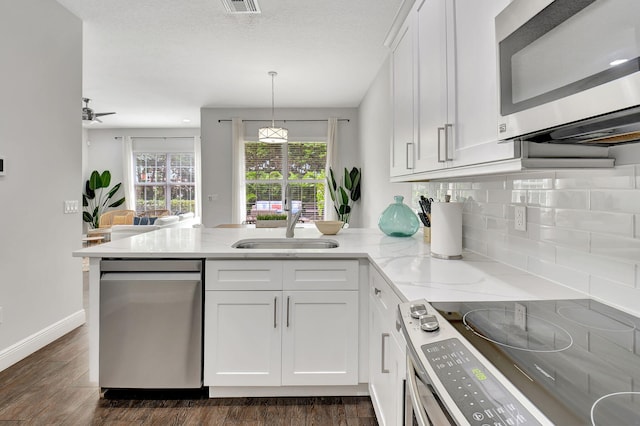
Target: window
pixel 270 168
pixel 165 181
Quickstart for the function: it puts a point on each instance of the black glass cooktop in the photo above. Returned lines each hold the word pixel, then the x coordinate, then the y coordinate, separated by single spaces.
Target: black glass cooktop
pixel 577 360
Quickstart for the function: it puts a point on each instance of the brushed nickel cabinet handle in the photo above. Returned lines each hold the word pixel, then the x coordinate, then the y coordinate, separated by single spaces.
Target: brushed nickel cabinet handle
pixel 447 127
pixel 275 312
pixel 383 369
pixel 440 129
pixel 288 297
pixel 409 150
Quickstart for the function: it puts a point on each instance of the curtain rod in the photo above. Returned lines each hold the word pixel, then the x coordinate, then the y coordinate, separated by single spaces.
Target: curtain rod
pixel 284 121
pixel 156 137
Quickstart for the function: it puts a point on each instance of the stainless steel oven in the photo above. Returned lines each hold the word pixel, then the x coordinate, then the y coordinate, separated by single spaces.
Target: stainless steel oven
pixel 450 383
pixel 561 362
pixel 564 61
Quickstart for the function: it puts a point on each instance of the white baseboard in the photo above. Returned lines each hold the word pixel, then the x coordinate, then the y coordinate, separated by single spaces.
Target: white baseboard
pixel 42 338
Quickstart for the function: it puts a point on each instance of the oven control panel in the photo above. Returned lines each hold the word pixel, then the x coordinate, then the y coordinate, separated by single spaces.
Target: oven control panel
pixel 481 397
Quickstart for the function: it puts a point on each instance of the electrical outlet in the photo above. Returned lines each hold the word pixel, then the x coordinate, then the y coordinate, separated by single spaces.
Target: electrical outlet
pixel 520 223
pixel 520 317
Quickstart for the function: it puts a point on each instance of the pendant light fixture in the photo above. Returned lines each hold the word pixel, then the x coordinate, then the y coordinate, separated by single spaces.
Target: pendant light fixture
pixel 273 134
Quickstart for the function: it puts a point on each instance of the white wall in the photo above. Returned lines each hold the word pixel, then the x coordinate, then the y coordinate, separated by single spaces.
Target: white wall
pixel 375 136
pixel 217 149
pixel 40 138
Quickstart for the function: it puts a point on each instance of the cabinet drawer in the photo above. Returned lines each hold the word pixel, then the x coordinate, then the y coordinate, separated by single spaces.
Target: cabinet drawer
pixel 243 275
pixel 382 295
pixel 321 275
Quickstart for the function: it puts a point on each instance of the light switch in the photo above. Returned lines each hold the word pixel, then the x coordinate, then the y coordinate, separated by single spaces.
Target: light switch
pixel 71 206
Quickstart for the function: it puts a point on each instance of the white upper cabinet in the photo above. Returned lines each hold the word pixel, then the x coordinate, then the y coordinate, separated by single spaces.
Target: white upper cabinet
pixel 453 84
pixel 476 78
pixel 436 88
pixel 403 82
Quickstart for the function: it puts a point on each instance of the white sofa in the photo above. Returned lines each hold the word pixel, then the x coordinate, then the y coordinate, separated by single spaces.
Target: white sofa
pixel 186 220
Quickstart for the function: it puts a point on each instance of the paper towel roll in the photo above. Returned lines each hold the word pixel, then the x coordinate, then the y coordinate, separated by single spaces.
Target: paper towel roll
pixel 446 230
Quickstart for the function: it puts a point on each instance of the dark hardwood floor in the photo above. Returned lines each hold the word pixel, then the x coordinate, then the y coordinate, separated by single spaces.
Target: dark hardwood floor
pixel 51 387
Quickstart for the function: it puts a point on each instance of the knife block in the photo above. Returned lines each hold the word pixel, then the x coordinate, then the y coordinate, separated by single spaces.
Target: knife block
pixel 427 231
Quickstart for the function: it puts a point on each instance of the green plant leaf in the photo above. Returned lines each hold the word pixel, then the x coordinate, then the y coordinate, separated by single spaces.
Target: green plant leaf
pixel 113 190
pixel 95 181
pixel 117 203
pixel 355 192
pixel 332 183
pixel 345 209
pixel 344 197
pixel 90 193
pixel 87 217
pixel 332 191
pixel 106 179
pixel 347 180
pixel 85 202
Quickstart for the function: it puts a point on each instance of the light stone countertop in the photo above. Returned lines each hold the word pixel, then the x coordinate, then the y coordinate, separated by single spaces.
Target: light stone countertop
pixel 404 261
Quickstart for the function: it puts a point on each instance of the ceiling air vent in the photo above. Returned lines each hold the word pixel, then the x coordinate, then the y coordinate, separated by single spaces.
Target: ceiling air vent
pixel 241 6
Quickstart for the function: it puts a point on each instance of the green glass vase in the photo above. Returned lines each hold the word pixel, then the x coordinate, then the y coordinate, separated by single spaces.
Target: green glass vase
pixel 398 220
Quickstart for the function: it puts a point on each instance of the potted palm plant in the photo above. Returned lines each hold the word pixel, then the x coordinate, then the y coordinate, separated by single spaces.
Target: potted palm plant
pixel 343 196
pixel 95 200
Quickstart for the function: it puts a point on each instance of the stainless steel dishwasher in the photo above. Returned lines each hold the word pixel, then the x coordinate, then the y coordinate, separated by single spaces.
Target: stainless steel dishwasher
pixel 151 324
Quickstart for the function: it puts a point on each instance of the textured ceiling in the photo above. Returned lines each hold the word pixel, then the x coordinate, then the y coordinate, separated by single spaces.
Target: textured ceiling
pixel 157 62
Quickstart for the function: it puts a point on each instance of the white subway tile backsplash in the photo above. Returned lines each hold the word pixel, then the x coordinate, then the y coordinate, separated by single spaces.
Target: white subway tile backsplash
pixel 497 250
pixel 489 209
pixel 596 221
pixel 532 248
pixel 477 246
pixel 570 199
pixel 620 296
pixel 621 272
pixel 583 226
pixel 542 180
pixel 495 224
pixel 538 215
pixel 565 237
pixel 567 276
pixel 498 196
pixel 615 200
pixel 616 247
pixel 620 178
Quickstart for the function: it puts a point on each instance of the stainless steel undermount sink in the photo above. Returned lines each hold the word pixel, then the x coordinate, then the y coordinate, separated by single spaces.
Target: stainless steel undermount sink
pixel 285 243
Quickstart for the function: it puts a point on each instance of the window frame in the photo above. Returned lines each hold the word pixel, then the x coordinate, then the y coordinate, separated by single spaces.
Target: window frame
pixel 285 180
pixel 167 184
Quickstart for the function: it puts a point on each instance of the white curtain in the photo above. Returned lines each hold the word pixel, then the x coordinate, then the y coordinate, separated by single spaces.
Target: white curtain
pixel 197 157
pixel 128 177
pixel 239 205
pixel 329 211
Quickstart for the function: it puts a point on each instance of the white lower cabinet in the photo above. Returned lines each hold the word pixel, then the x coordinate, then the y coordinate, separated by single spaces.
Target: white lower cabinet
pixel 267 333
pixel 320 338
pixel 387 357
pixel 242 338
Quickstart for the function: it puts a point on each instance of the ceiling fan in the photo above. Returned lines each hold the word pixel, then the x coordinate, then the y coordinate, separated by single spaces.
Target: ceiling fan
pixel 89 115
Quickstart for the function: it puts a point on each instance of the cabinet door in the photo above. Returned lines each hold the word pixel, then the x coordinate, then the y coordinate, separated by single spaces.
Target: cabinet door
pixel 435 64
pixel 320 338
pixel 476 76
pixel 403 78
pixel 242 338
pixel 384 368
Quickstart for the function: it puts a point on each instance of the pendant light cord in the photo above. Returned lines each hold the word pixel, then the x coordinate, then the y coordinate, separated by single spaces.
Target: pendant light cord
pixel 273 94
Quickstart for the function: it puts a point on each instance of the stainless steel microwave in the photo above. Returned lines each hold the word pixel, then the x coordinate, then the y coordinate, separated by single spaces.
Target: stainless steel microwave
pixel 569 71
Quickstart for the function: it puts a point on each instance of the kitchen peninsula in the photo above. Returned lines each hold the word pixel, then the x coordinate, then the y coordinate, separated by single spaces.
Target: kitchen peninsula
pixel 382 263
